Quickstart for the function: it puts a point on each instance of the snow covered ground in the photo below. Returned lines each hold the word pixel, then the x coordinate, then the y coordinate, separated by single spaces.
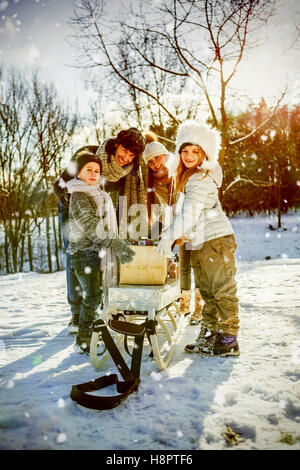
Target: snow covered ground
pixel 187 406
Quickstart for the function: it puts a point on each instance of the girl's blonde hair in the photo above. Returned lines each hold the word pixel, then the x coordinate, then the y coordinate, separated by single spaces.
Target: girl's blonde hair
pixel 183 174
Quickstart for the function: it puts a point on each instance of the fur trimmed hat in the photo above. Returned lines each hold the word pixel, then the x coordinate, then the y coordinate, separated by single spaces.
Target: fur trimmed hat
pixel 153 149
pixel 131 139
pixel 208 138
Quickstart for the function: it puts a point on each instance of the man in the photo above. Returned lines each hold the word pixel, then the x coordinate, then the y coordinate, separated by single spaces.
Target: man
pixel 121 177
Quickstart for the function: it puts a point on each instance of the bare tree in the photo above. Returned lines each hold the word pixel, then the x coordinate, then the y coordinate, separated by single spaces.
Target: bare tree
pixel 197 44
pixel 35 130
pixel 53 127
pixel 15 158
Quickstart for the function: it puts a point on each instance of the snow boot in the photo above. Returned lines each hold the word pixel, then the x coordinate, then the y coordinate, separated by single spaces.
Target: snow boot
pixel 222 344
pixel 185 300
pixel 196 317
pixel 73 325
pixel 205 336
pixel 83 341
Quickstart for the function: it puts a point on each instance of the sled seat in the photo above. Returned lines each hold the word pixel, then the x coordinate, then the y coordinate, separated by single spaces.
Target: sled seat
pixel 159 303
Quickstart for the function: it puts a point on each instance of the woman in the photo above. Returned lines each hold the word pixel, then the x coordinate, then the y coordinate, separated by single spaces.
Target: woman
pixel 201 220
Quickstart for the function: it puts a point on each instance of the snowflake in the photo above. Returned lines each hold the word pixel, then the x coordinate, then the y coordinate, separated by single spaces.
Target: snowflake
pixel 62 437
pixel 72 168
pixel 156 376
pixel 61 403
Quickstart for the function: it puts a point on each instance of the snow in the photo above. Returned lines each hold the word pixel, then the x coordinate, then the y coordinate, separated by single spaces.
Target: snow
pixel 188 405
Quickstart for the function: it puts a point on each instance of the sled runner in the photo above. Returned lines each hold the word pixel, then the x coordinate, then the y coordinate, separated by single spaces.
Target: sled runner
pixel 140 303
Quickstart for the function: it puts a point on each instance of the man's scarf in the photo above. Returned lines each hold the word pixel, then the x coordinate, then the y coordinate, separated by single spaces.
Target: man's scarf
pixel 134 189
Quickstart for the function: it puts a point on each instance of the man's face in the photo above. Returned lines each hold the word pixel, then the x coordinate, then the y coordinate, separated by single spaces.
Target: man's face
pixel 123 156
pixel 158 166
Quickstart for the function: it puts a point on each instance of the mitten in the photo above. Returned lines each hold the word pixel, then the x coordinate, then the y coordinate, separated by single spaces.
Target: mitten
pixel 126 256
pixel 65 198
pixel 121 250
pixel 164 248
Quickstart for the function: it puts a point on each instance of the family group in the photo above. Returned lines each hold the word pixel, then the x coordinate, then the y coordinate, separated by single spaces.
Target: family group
pixel 131 186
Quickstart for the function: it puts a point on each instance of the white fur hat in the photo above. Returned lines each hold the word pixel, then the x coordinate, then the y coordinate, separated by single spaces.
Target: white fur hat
pixel 153 149
pixel 208 138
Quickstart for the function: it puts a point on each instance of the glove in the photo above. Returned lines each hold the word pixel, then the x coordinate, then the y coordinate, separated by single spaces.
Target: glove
pixel 164 248
pixel 65 198
pixel 121 250
pixel 126 256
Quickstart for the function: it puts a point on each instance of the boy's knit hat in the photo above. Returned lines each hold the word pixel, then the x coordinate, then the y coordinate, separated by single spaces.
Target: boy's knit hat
pixel 153 149
pixel 83 158
pixel 208 138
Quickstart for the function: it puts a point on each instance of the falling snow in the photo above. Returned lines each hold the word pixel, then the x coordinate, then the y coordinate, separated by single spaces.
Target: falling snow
pixel 198 402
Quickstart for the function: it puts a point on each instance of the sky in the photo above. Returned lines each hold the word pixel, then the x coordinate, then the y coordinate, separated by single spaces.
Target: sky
pixel 34 32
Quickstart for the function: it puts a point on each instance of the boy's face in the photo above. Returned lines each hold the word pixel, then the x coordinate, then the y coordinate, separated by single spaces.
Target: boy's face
pixel 158 166
pixel 90 173
pixel 192 155
pixel 123 156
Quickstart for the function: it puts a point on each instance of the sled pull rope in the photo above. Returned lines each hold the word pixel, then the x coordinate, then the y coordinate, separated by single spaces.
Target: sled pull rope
pixel 130 376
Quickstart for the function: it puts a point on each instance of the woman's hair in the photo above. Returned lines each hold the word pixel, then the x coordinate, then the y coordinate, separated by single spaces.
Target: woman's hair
pixel 183 174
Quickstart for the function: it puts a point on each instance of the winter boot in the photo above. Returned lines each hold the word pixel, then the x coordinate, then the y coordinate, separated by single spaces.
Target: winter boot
pixel 196 317
pixel 73 325
pixel 185 300
pixel 83 341
pixel 205 336
pixel 223 344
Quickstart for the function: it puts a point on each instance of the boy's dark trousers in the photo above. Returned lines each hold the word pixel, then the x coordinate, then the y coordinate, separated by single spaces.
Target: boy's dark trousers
pixel 85 266
pixel 74 293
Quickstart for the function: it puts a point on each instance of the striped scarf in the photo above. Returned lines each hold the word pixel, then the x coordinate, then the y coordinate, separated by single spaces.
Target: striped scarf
pixel 134 190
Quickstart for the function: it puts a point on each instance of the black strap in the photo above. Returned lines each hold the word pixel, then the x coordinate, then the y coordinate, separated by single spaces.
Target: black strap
pixel 130 376
pixel 78 392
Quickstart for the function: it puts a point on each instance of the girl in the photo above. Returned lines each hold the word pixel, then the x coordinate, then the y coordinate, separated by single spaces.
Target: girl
pixel 160 191
pixel 201 220
pixel 92 239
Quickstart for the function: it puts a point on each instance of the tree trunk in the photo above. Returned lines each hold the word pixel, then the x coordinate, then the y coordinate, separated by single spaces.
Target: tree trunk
pixel 6 251
pixel 22 253
pixel 279 207
pixel 29 249
pixel 48 244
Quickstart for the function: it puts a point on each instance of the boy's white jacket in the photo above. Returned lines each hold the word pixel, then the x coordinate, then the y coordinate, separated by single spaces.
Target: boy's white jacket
pixel 199 215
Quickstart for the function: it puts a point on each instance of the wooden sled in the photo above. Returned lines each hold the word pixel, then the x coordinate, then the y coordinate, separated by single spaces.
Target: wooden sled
pixel 158 303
